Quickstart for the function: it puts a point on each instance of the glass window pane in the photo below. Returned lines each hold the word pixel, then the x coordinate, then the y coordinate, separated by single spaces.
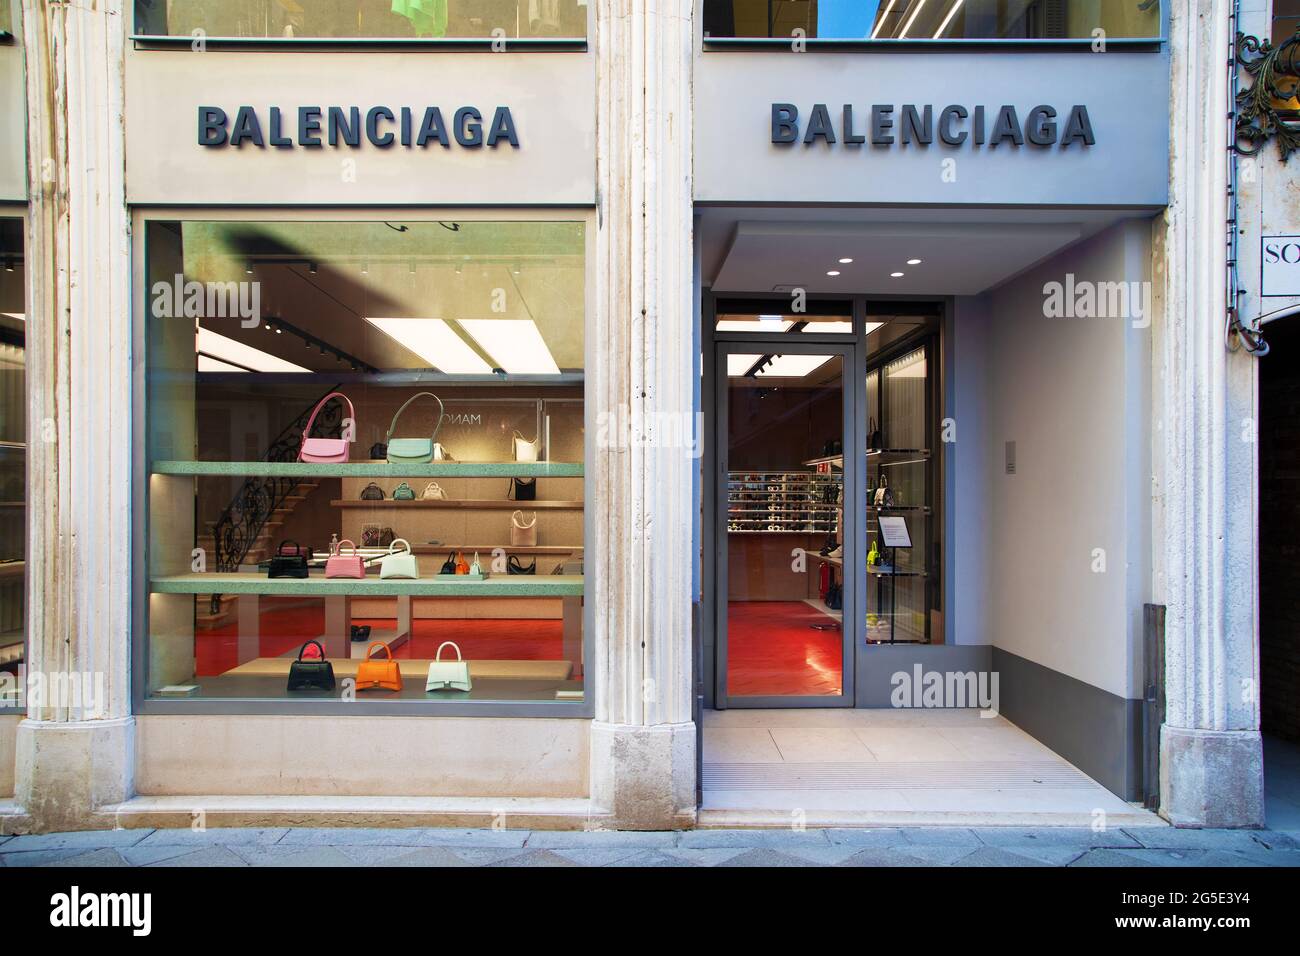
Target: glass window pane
pixel 932 19
pixel 821 316
pixel 13 459
pixel 306 19
pixel 414 389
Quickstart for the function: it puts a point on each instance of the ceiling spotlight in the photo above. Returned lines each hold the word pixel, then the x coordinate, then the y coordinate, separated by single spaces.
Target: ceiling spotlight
pixel 9 265
pixel 279 331
pixel 311 268
pixel 833 272
pixel 913 262
pixel 365 267
pixel 845 261
pixel 411 268
pixel 896 275
pixel 248 267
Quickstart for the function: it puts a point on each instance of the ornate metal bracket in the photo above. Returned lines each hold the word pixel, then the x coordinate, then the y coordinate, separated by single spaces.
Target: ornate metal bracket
pixel 1262 113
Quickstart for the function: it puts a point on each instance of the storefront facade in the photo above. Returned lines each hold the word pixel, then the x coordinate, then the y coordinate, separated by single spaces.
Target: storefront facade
pixel 568 250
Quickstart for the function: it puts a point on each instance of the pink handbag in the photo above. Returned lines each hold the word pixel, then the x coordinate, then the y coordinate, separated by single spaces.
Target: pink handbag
pixel 326 450
pixel 340 565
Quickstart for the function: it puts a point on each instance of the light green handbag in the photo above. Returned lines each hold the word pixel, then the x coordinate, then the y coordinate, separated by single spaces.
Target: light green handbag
pixel 448 675
pixel 413 451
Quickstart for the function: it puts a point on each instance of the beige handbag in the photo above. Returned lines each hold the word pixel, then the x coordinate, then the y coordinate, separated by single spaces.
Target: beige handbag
pixel 448 675
pixel 525 450
pixel 523 534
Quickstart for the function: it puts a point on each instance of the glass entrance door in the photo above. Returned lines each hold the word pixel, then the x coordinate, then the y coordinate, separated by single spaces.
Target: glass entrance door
pixel 785 562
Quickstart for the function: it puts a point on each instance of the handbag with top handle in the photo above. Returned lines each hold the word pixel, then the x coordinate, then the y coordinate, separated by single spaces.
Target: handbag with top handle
pixel 382 673
pixel 340 565
pixel 523 534
pixel 462 566
pixel 526 450
pixel 372 492
pixel 403 492
pixel 433 492
pixel 523 489
pixel 449 566
pixel 289 561
pixel 399 564
pixel 325 449
pixel 314 674
pixel 413 451
pixel 448 675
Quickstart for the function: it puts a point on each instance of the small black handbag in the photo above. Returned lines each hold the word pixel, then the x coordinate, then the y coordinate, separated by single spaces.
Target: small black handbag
pixel 372 492
pixel 289 561
pixel 379 450
pixel 515 566
pixel 523 489
pixel 312 674
pixel 449 566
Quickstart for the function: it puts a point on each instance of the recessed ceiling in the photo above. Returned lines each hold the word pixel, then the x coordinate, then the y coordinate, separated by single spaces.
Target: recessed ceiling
pixel 956 258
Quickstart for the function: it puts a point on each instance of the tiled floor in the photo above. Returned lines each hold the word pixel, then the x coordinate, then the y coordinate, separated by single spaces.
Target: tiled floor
pixel 890 766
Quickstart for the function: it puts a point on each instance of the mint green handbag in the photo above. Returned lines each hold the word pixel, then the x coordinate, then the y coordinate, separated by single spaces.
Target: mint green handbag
pixel 448 675
pixel 413 451
pixel 403 492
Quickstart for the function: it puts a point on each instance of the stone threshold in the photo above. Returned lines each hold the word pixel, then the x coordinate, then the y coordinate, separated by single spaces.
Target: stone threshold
pixel 814 819
pixel 521 813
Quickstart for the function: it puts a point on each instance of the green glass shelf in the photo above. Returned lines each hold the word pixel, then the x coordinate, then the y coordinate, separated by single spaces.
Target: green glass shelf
pixel 373 469
pixel 517 585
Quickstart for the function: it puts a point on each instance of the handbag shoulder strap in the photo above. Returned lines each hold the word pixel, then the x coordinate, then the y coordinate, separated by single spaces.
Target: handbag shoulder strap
pixel 373 644
pixel 441 409
pixel 306 432
pixel 452 644
pixel 309 644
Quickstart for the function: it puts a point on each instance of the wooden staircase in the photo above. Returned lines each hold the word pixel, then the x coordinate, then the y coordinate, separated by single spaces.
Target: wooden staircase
pixel 264 545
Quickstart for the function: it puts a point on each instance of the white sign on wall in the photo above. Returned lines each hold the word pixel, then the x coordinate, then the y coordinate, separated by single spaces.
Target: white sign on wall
pixel 1279 268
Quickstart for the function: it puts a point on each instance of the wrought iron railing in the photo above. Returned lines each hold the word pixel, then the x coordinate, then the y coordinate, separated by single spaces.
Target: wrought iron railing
pixel 242 521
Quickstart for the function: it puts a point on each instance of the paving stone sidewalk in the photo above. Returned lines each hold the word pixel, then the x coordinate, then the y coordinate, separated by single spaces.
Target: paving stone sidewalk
pixel 921 846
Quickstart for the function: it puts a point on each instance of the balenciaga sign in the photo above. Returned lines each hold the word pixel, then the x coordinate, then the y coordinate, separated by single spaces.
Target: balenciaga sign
pixel 313 127
pixel 912 125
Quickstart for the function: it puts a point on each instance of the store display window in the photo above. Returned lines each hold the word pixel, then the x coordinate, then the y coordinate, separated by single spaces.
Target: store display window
pixel 355 19
pixel 365 458
pixel 13 462
pixel 886 20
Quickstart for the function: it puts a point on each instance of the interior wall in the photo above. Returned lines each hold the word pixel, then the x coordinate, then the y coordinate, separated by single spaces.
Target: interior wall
pixel 1062 559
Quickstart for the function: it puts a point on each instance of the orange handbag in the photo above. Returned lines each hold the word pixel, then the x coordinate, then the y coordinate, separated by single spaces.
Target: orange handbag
pixel 383 673
pixel 462 566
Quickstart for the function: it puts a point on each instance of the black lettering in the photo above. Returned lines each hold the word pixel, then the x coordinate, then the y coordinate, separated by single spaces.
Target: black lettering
pixel 851 138
pixel 978 123
pixel 381 140
pixel 274 137
pixel 1007 127
pixel 819 124
pixel 345 126
pixel 1039 128
pixel 246 127
pixel 918 128
pixel 212 126
pixel 309 127
pixel 882 121
pixel 947 135
pixel 467 127
pixel 406 126
pixel 785 123
pixel 1078 127
pixel 432 128
pixel 503 124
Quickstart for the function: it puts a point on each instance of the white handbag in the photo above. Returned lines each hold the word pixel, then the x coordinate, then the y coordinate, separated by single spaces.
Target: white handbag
pixel 399 564
pixel 440 452
pixel 433 491
pixel 525 450
pixel 523 534
pixel 448 675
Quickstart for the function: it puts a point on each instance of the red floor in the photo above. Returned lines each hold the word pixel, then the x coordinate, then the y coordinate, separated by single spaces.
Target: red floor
pixel 286 628
pixel 773 649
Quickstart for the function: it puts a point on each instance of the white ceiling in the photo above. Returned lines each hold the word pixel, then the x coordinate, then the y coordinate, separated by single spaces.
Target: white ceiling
pixel 757 250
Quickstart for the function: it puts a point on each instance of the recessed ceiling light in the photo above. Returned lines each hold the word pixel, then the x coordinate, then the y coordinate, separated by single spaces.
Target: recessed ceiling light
pixel 516 344
pixel 845 262
pixel 833 272
pixel 435 342
pixel 913 262
pixel 896 275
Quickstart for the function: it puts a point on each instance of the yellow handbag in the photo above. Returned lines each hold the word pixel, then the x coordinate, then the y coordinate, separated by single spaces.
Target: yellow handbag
pixel 383 673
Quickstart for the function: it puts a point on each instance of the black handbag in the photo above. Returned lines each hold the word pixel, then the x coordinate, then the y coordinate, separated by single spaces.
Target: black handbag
pixel 835 597
pixel 289 561
pixel 522 489
pixel 449 566
pixel 360 632
pixel 379 450
pixel 372 492
pixel 515 566
pixel 312 674
pixel 873 436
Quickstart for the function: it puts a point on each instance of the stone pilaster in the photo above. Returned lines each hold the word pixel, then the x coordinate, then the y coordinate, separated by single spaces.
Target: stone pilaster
pixel 1204 454
pixel 75 747
pixel 641 370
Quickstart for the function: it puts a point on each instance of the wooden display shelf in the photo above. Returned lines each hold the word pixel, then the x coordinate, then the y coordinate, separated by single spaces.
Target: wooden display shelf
pixel 433 585
pixel 542 549
pixel 471 504
pixel 373 469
